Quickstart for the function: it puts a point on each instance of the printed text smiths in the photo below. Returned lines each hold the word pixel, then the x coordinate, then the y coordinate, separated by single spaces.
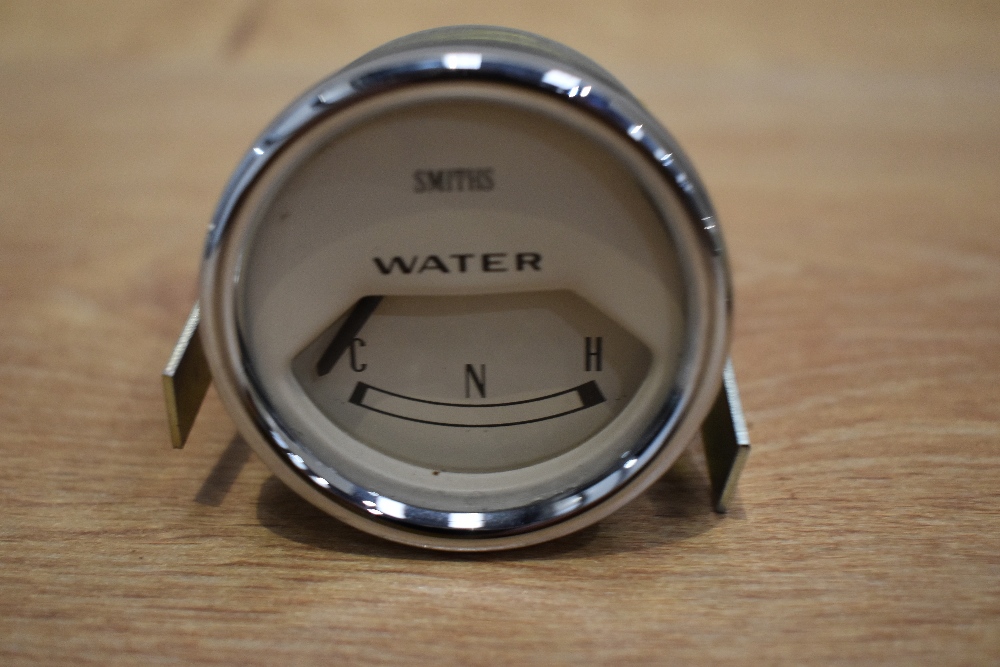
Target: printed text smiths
pixel 453 180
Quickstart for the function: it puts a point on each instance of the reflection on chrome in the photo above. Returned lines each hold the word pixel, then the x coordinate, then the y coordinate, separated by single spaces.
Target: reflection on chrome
pixel 322 482
pixel 335 93
pixel 560 79
pixel 603 487
pixel 462 60
pixel 684 182
pixel 390 507
pixel 567 504
pixel 465 520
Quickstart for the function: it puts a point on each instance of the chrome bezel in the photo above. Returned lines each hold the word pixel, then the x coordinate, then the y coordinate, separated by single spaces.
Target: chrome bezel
pixel 504 58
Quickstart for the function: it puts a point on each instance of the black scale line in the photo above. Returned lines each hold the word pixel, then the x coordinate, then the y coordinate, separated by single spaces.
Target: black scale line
pixel 589 393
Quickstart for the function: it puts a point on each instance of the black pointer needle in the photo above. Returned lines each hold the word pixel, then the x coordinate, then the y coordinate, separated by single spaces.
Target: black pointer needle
pixel 363 309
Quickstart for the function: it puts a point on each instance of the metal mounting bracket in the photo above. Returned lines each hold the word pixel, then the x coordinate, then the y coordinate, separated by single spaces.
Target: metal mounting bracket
pixel 185 380
pixel 724 432
pixel 726 439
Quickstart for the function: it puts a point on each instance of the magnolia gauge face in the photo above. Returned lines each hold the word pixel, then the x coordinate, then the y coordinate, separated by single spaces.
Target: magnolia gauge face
pixel 462 297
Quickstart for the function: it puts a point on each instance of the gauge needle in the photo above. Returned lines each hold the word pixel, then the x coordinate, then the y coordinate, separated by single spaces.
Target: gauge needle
pixel 363 309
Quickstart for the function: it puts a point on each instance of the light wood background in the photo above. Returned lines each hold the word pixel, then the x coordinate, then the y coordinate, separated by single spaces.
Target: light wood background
pixel 853 151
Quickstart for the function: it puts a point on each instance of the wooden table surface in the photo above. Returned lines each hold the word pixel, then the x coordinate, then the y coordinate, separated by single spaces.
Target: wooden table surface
pixel 853 152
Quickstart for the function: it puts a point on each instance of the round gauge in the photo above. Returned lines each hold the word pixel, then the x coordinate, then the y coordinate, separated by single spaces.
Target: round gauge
pixel 466 293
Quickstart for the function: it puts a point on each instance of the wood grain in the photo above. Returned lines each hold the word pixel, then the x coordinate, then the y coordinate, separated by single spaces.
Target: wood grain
pixel 853 151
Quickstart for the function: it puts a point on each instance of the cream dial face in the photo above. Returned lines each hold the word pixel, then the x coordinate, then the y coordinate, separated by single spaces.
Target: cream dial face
pixel 462 297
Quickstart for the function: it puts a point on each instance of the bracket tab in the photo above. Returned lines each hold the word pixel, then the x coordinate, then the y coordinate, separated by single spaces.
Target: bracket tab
pixel 185 380
pixel 726 439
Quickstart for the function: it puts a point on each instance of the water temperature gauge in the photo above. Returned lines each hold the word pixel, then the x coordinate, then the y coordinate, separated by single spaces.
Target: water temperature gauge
pixel 466 294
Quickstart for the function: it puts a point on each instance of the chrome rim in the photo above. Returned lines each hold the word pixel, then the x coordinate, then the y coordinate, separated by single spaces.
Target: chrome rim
pixel 707 293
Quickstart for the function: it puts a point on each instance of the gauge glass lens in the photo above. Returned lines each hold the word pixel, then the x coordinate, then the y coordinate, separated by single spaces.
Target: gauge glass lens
pixel 463 296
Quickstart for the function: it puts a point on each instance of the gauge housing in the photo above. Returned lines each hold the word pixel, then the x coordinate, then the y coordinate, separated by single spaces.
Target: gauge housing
pixel 509 69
